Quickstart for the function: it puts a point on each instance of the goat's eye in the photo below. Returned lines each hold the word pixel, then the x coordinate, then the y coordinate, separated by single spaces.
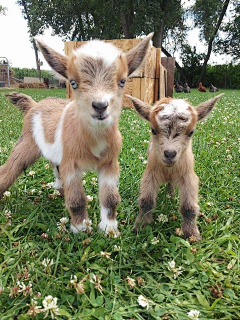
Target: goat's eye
pixel 190 134
pixel 121 83
pixel 74 84
pixel 154 132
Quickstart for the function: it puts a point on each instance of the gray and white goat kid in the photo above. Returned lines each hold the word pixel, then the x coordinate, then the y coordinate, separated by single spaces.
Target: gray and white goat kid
pixel 170 158
pixel 79 135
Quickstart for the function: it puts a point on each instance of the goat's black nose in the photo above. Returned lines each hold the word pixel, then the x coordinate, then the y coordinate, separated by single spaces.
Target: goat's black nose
pixel 170 154
pixel 99 106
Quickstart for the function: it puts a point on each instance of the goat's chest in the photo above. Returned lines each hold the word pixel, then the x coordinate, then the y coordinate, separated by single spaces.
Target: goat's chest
pixel 98 148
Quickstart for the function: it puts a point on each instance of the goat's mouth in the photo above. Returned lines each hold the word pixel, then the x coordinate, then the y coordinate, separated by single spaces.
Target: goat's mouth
pixel 168 163
pixel 99 117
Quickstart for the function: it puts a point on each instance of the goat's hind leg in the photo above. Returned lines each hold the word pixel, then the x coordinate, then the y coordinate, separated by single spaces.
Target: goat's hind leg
pixel 23 154
pixel 147 200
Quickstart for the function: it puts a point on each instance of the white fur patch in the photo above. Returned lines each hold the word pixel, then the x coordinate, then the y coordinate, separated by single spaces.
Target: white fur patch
pixel 71 176
pixel 108 226
pixel 99 50
pixel 99 148
pixel 175 106
pixel 51 151
pixel 110 180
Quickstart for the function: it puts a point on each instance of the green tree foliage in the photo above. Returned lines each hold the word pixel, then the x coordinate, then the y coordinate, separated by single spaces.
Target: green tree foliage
pixel 208 15
pixel 192 64
pixel 230 41
pixel 108 19
pixel 20 73
pixel 2 10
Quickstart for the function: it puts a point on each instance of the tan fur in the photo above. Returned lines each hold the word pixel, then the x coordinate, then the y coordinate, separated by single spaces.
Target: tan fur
pixel 80 135
pixel 170 134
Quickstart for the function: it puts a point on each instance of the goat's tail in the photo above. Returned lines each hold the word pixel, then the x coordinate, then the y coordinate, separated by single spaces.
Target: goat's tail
pixel 22 101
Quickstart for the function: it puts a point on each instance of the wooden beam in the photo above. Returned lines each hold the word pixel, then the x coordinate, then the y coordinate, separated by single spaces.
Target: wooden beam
pixel 169 64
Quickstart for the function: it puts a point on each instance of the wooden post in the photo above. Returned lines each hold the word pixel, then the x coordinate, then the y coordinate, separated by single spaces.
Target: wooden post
pixel 169 64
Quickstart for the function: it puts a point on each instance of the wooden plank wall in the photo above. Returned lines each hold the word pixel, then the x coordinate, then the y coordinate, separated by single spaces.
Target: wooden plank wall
pixel 169 64
pixel 145 83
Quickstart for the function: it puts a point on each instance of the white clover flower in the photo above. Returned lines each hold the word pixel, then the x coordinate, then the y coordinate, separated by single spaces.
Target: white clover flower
pixel 145 162
pixel 94 181
pixel 47 263
pixel 32 191
pixel 50 185
pixel 73 279
pixel 8 214
pixel 171 265
pixel 131 282
pixel 7 194
pixel 34 309
pixel 162 218
pixel 55 194
pixel 176 271
pixel 87 225
pixel 83 182
pixel 144 302
pixel 89 198
pixel 47 166
pixel 112 232
pixel 105 254
pixel 116 248
pixel 62 225
pixel 32 173
pixel 154 241
pixel 64 220
pixel 25 289
pixel 193 314
pixel 50 306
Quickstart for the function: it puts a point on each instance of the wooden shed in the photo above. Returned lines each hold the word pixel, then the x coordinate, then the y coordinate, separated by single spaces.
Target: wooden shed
pixel 149 84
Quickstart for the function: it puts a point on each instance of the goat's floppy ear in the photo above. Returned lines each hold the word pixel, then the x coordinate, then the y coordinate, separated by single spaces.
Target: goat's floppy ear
pixel 137 55
pixel 57 61
pixel 142 108
pixel 204 108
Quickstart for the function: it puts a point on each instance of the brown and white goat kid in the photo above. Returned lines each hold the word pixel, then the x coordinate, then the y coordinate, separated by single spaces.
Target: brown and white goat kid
pixel 79 135
pixel 170 158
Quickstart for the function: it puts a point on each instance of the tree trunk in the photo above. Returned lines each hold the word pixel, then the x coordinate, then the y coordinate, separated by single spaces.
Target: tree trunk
pixel 37 59
pixel 158 36
pixel 125 25
pixel 210 43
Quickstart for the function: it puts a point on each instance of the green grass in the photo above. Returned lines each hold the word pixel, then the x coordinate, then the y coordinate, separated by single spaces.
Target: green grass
pixel 210 281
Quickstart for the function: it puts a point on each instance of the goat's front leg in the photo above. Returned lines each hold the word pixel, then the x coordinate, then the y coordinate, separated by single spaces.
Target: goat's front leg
pixel 109 198
pixel 148 194
pixel 75 199
pixel 188 190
